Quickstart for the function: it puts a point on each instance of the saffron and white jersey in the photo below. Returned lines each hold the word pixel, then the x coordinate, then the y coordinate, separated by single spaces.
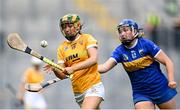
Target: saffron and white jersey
pixel 33 100
pixel 33 76
pixel 144 72
pixel 71 53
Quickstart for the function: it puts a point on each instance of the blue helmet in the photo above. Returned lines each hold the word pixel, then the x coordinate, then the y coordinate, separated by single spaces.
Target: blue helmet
pixel 134 28
pixel 129 22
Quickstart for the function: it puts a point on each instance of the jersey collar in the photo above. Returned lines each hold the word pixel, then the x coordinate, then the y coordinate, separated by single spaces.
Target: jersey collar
pixel 135 43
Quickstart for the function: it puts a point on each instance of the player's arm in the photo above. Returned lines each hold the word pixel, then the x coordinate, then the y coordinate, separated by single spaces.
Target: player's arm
pixel 108 65
pixel 58 73
pixel 21 92
pixel 165 60
pixel 92 60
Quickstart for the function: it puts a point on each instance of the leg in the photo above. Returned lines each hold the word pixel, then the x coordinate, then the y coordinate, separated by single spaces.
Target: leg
pixel 171 104
pixel 144 105
pixel 91 102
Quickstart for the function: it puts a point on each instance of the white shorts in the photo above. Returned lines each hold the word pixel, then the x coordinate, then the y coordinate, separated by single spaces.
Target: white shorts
pixel 34 100
pixel 95 90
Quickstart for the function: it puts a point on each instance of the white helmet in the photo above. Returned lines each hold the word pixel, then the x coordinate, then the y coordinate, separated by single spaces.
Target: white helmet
pixel 36 61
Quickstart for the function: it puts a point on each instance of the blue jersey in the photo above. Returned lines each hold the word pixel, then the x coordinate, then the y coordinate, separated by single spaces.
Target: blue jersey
pixel 143 70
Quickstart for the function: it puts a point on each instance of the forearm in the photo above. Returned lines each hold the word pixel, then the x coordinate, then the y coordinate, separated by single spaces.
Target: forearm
pixel 102 68
pixel 21 92
pixel 85 64
pixel 108 65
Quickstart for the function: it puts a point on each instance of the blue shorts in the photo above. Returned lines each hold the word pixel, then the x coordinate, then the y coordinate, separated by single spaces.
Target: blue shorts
pixel 168 95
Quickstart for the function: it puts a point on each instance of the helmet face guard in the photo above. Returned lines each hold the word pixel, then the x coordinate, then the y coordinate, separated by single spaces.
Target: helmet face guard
pixel 128 23
pixel 73 20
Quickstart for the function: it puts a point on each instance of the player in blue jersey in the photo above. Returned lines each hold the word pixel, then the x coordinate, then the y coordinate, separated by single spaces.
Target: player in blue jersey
pixel 141 60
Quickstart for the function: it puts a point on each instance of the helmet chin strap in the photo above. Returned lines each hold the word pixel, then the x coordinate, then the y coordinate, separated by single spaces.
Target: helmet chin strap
pixel 71 38
pixel 129 41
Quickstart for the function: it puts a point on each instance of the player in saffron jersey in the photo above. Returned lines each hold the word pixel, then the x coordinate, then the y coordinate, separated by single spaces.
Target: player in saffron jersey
pixel 33 100
pixel 140 58
pixel 78 55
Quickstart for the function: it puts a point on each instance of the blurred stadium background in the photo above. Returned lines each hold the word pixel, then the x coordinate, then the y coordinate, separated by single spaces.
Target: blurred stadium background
pixel 36 20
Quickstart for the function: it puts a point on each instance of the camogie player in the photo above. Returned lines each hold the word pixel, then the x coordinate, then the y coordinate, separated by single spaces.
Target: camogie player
pixel 33 75
pixel 78 55
pixel 141 60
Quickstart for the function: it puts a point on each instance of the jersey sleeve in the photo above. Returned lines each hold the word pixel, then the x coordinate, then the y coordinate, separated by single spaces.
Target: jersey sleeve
pixel 91 42
pixel 60 55
pixel 153 49
pixel 116 55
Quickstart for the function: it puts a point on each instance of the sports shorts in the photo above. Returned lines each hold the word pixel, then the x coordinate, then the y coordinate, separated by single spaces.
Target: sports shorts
pixel 34 100
pixel 95 90
pixel 167 96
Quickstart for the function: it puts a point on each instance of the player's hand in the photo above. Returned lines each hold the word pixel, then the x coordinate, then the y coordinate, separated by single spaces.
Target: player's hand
pixel 172 84
pixel 48 68
pixel 21 101
pixel 69 70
